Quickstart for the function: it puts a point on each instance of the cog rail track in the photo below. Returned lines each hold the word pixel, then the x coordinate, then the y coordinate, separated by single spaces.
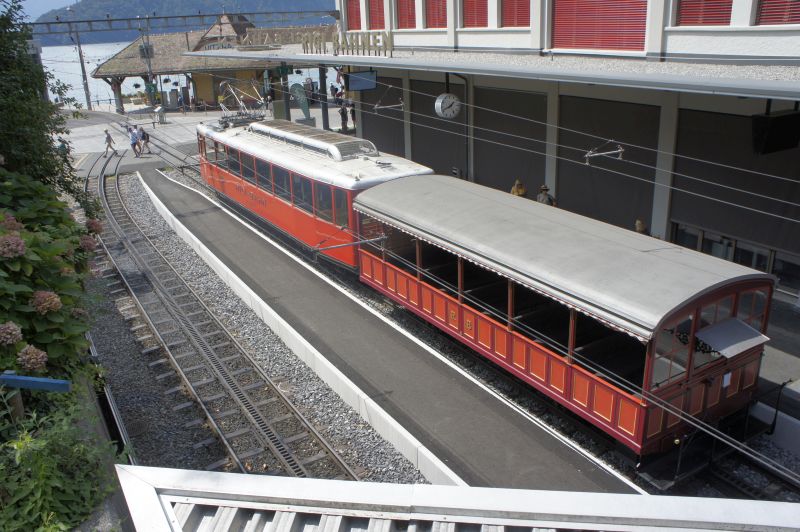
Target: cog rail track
pixel 759 483
pixel 260 428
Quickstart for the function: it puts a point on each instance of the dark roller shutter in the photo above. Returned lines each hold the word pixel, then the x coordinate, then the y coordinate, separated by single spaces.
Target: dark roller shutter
pixel 353 15
pixel 376 15
pixel 516 13
pixel 606 24
pixel 778 12
pixel 476 13
pixel 435 13
pixel 406 14
pixel 704 12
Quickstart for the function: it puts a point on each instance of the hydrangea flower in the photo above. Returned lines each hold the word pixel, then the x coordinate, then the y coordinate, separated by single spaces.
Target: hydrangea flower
pixel 11 224
pixel 10 333
pixel 93 225
pixel 32 359
pixel 88 243
pixel 11 246
pixel 45 301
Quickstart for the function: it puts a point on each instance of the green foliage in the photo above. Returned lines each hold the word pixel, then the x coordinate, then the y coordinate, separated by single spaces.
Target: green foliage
pixel 54 470
pixel 30 125
pixel 53 261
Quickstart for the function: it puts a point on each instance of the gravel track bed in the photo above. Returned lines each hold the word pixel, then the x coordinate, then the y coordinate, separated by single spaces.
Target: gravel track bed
pixel 358 444
pixel 159 435
pixel 510 389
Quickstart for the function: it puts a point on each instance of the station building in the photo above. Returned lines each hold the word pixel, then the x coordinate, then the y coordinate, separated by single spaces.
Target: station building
pixel 694 103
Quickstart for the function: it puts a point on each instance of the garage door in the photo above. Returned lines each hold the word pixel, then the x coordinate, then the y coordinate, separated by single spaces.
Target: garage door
pixel 604 25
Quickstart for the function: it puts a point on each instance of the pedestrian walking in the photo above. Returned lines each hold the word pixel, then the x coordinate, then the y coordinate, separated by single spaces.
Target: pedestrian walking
pixel 343 116
pixel 144 138
pixel 332 90
pixel 134 138
pixel 353 114
pixel 545 197
pixel 109 144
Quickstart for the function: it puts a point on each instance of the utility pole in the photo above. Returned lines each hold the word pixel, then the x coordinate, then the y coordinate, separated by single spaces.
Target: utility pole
pixel 83 65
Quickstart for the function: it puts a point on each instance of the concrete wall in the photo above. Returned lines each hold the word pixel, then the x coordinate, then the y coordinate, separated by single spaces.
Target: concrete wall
pixel 437 142
pixel 384 127
pixel 597 190
pixel 501 158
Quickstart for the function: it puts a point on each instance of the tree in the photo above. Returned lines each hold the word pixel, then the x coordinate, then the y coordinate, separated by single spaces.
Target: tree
pixel 31 125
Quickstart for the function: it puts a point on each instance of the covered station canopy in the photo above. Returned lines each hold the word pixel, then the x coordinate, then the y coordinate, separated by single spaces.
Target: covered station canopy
pixel 628 280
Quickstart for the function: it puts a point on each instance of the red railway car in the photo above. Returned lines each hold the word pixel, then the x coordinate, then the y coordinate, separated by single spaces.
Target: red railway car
pixel 612 324
pixel 299 179
pixel 633 334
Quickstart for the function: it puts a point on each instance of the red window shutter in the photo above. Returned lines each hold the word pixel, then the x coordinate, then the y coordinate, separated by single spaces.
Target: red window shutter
pixel 435 13
pixel 704 12
pixel 476 13
pixel 516 13
pixel 376 15
pixel 599 24
pixel 406 14
pixel 353 15
pixel 778 12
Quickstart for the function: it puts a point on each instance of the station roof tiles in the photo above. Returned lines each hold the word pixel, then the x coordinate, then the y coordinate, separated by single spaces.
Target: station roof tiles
pixel 631 281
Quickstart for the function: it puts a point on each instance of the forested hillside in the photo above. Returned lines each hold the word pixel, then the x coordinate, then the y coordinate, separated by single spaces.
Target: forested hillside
pixel 98 9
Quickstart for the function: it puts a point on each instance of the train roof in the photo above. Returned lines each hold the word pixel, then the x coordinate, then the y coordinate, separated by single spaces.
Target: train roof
pixel 628 280
pixel 340 160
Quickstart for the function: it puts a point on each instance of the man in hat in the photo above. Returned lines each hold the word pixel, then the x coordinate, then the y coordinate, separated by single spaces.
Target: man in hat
pixel 519 189
pixel 545 197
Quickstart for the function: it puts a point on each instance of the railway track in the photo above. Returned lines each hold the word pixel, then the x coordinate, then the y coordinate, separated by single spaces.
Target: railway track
pixel 258 426
pixel 739 477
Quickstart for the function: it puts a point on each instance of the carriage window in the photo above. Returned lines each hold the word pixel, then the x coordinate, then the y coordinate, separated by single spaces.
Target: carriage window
pixel 233 161
pixel 217 150
pixel 671 352
pixel 323 203
pixel 282 187
pixel 262 171
pixel 248 172
pixel 340 198
pixel 709 315
pixel 301 193
pixel 752 305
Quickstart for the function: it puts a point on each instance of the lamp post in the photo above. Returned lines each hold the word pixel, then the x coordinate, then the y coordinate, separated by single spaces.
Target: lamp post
pixel 83 65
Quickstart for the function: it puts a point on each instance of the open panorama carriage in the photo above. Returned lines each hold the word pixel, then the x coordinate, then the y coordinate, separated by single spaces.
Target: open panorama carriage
pixel 629 332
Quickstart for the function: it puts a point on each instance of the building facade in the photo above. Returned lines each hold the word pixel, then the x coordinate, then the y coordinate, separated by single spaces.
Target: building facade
pixel 694 166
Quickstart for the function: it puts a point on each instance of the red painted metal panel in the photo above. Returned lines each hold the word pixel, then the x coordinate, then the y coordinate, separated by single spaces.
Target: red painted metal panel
pixel 475 13
pixel 704 12
pixel 453 314
pixel 697 395
pixel 733 387
pixel 655 418
pixel 672 419
pixel 603 403
pixel 435 13
pixel 353 14
pixel 296 223
pixel 406 14
pixel 778 12
pixel 376 21
pixel 714 392
pixel 607 25
pixel 628 416
pixel 580 389
pixel 549 373
pixel 750 374
pixel 515 13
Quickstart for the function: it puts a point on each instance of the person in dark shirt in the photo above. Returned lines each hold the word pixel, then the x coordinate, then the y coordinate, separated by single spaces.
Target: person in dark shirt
pixel 343 115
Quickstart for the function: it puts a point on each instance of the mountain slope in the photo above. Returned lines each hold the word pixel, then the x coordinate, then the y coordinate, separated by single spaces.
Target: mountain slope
pixel 100 9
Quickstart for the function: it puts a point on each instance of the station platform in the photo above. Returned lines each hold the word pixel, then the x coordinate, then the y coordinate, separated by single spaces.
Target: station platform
pixel 476 435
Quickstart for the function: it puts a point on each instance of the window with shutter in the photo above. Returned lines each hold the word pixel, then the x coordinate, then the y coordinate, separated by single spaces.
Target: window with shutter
pixel 476 13
pixel 604 25
pixel 376 21
pixel 704 12
pixel 435 13
pixel 516 13
pixel 353 15
pixel 406 14
pixel 778 12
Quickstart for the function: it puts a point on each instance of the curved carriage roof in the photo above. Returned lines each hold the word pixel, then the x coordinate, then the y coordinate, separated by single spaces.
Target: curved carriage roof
pixel 340 160
pixel 630 281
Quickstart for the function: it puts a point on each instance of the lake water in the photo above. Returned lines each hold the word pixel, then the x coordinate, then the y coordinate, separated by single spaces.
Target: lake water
pixel 63 62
